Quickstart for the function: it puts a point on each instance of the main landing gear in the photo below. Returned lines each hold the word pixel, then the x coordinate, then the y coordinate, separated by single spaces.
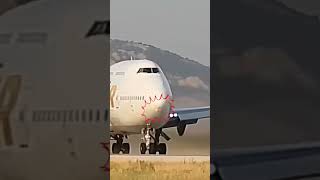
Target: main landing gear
pixel 155 146
pixel 119 146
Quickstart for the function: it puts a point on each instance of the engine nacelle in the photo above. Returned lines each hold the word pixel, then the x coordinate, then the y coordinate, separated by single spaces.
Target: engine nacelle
pixel 181 128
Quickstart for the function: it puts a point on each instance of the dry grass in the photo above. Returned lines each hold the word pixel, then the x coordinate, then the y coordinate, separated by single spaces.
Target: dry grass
pixel 144 170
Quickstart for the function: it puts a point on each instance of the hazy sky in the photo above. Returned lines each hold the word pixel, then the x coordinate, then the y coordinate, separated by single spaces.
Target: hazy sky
pixel 180 26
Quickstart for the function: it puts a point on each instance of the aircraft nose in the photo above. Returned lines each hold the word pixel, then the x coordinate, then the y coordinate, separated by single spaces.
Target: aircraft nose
pixel 158 102
pixel 157 109
pixel 162 105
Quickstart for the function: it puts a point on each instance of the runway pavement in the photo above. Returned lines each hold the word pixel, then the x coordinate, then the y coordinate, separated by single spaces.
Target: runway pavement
pixel 159 158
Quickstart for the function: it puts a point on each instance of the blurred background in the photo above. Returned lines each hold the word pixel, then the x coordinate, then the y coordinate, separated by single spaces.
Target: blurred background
pixel 265 55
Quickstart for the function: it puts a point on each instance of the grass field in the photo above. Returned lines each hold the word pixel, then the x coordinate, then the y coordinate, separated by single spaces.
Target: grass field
pixel 147 170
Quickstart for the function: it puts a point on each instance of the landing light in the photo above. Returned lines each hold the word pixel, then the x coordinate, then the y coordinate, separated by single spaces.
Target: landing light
pixel 171 115
pixel 175 115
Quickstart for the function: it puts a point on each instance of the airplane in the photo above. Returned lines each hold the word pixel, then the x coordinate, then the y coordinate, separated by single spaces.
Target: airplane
pixel 141 102
pixel 54 82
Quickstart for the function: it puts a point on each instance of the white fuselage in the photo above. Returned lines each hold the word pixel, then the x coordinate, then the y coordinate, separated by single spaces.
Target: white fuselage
pixel 138 98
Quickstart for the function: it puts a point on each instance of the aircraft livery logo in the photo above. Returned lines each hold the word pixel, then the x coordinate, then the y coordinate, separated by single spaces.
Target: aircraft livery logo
pixel 112 95
pixel 8 99
pixel 99 28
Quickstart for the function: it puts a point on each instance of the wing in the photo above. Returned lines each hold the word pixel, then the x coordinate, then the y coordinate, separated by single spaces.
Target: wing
pixel 284 162
pixel 185 116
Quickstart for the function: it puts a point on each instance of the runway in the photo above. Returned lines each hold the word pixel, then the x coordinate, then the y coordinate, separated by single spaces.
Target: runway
pixel 159 158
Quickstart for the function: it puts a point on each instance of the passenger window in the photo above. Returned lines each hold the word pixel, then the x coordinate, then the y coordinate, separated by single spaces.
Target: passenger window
pixel 98 115
pixel 40 116
pixel 49 116
pixel 58 116
pixel 77 116
pixel 33 116
pixel 106 115
pixel 70 115
pixel 54 115
pixel 64 116
pixel 83 115
pixel 90 115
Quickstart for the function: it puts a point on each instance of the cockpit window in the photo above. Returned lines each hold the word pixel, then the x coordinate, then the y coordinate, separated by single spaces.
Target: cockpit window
pixel 155 70
pixel 148 70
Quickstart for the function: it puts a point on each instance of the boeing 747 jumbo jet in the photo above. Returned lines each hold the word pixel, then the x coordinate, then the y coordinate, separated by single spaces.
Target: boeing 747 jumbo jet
pixel 141 102
pixel 54 106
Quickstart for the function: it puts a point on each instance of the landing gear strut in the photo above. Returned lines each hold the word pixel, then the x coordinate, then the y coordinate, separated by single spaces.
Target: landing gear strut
pixel 119 145
pixel 155 146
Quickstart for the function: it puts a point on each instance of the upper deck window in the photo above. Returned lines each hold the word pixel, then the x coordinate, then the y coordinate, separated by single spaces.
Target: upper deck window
pixel 148 70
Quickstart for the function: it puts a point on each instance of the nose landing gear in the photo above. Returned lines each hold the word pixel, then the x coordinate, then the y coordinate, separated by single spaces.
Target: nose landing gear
pixel 155 146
